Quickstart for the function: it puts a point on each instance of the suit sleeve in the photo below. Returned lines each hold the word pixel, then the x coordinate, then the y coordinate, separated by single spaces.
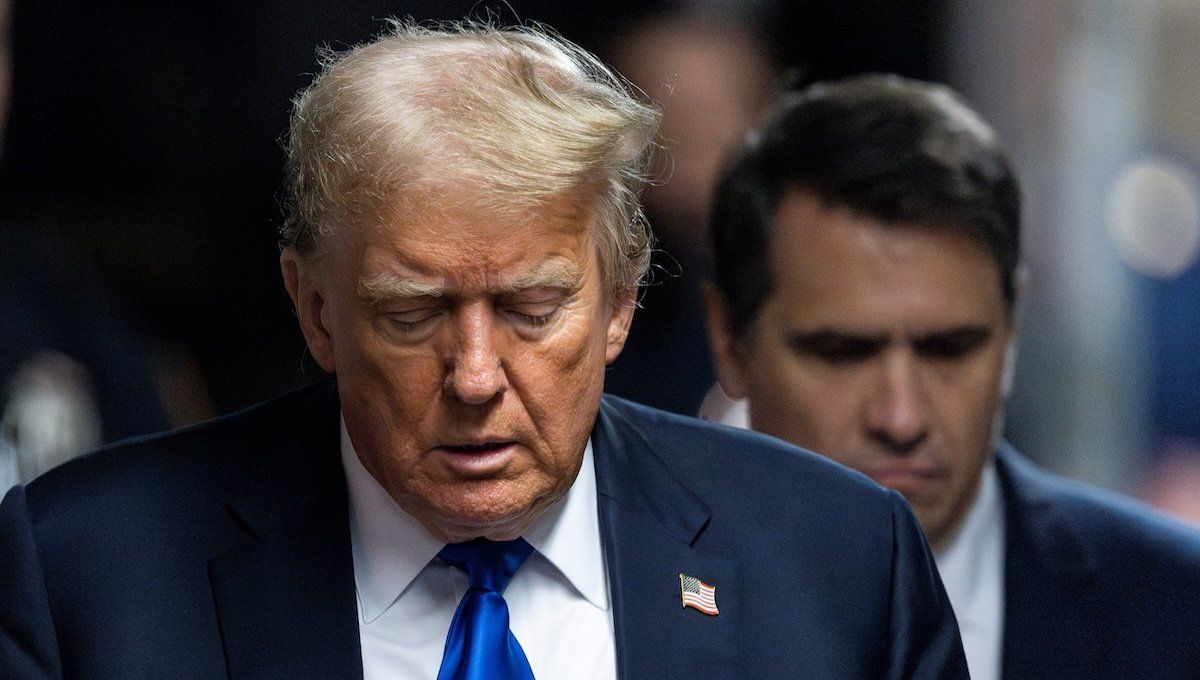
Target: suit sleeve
pixel 28 645
pixel 924 633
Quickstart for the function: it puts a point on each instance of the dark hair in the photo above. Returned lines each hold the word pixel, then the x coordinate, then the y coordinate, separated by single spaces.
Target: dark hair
pixel 886 147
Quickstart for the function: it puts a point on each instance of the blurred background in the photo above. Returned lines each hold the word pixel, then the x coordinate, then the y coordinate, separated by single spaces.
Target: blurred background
pixel 141 175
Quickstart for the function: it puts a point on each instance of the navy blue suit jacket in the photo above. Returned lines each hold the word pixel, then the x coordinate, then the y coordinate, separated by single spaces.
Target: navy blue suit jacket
pixel 1097 587
pixel 224 551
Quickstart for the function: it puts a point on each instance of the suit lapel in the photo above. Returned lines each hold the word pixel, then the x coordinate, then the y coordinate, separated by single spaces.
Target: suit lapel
pixel 1049 610
pixel 285 597
pixel 652 527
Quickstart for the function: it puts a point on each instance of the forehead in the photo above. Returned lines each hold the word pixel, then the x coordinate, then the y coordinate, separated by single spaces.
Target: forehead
pixel 462 239
pixel 832 265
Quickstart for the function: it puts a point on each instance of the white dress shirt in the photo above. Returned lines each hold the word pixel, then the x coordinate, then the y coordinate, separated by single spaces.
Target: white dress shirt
pixel 717 407
pixel 558 601
pixel 972 568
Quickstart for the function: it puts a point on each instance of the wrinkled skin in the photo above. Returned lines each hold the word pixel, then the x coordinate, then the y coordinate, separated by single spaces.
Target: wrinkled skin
pixel 470 352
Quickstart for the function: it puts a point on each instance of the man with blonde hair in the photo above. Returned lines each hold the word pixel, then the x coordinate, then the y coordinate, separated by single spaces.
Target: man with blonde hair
pixel 463 249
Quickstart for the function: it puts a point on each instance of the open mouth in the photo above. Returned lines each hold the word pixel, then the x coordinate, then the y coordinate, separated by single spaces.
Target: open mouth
pixel 477 448
pixel 478 461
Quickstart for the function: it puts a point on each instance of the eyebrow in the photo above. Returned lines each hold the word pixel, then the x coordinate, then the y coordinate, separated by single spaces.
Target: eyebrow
pixel 554 274
pixel 828 339
pixel 389 286
pixel 963 337
pixel 559 274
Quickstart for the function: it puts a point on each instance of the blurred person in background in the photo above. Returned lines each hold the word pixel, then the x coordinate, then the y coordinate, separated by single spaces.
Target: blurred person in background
pixel 866 242
pixel 463 250
pixel 710 74
pixel 75 370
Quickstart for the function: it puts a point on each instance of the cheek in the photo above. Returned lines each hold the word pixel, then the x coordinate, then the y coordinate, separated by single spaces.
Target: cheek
pixel 389 392
pixel 560 379
pixel 798 403
pixel 979 396
pixel 968 416
pixel 574 352
pixel 552 377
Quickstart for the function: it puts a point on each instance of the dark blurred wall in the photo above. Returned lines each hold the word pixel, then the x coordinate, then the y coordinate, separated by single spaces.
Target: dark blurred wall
pixel 836 38
pixel 146 136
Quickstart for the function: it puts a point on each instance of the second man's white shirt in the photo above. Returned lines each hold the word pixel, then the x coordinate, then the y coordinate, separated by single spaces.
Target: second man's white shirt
pixel 971 565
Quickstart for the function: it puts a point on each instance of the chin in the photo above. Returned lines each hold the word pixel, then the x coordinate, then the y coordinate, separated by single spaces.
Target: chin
pixel 497 523
pixel 494 528
pixel 496 509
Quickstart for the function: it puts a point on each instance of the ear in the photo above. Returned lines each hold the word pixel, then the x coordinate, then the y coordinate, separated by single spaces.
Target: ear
pixel 305 286
pixel 623 303
pixel 728 356
pixel 1009 370
pixel 1015 313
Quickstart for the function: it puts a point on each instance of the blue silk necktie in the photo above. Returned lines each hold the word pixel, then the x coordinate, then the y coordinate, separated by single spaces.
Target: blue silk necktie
pixel 480 645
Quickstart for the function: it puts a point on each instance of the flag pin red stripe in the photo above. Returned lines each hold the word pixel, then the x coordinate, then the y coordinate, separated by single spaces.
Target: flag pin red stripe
pixel 698 595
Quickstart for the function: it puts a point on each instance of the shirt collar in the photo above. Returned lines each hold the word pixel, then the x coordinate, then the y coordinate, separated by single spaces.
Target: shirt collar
pixel 391 548
pixel 568 535
pixel 971 563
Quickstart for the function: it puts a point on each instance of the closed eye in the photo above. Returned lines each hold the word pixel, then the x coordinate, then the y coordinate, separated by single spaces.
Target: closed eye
pixel 413 320
pixel 836 347
pixel 533 320
pixel 535 308
pixel 412 314
pixel 953 344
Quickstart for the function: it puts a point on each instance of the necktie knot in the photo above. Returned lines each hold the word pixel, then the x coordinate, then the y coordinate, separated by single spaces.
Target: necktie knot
pixel 489 564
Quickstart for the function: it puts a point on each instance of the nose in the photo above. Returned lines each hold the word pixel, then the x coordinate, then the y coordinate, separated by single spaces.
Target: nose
pixel 897 411
pixel 476 373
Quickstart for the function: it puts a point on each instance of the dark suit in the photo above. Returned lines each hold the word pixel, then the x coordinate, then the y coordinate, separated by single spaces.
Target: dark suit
pixel 1096 587
pixel 224 551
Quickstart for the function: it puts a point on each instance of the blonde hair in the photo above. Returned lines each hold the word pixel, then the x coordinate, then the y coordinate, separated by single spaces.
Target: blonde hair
pixel 517 113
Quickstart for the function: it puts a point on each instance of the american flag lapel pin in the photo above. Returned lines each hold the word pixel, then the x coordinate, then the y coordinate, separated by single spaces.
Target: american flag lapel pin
pixel 698 594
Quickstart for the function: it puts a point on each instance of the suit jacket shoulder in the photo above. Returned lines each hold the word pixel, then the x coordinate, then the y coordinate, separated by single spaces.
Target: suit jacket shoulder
pixel 1098 585
pixel 187 553
pixel 818 571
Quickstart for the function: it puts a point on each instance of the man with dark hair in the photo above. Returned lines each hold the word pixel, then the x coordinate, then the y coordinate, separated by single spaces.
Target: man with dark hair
pixel 866 243
pixel 463 250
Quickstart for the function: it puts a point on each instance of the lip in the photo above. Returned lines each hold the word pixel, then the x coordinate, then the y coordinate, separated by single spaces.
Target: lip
pixel 912 481
pixel 475 460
